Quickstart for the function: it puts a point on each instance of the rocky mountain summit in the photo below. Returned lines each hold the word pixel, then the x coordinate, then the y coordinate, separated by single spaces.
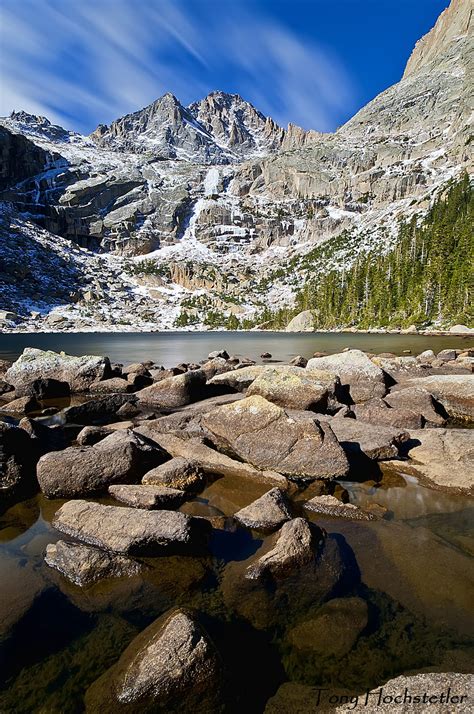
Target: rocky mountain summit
pixel 207 214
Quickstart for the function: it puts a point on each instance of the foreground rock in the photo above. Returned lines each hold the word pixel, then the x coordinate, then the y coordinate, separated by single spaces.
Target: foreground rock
pixel 175 391
pixel 454 391
pixel 362 439
pixel 178 473
pixel 83 565
pixel 78 372
pixel 127 531
pixel 210 461
pixel 171 666
pixel 149 497
pixel 376 411
pixel 298 566
pixel 119 458
pixel 334 630
pixel 418 400
pixel 295 387
pixel 444 457
pixel 266 436
pixel 266 513
pixel 331 506
pixel 357 373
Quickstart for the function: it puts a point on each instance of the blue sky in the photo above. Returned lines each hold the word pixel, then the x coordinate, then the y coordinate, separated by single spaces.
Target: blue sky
pixel 310 62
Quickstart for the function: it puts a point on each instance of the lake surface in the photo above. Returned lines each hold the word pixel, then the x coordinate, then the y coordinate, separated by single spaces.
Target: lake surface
pixel 171 348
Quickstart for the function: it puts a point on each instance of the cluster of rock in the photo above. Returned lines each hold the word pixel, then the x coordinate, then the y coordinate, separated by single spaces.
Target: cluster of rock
pixel 150 439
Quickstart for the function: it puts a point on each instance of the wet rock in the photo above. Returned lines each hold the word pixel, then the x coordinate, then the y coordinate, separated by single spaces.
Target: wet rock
pixel 22 405
pixel 330 506
pixel 238 379
pixel 84 565
pixel 119 458
pixel 298 566
pixel 210 460
pixel 78 372
pixel 334 630
pixel 149 497
pixel 444 457
pixel 171 666
pixel 417 400
pixel 458 687
pixel 356 371
pixel 264 435
pixel 295 387
pixel 98 410
pixel 361 438
pixel 376 411
pixel 178 473
pixel 268 512
pixel 18 457
pixel 174 391
pixel 115 385
pixel 130 531
pixel 454 391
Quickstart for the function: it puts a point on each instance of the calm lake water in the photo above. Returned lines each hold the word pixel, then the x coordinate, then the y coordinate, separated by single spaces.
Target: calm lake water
pixel 171 348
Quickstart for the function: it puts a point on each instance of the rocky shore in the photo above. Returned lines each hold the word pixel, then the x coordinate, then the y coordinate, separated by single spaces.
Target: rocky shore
pixel 128 449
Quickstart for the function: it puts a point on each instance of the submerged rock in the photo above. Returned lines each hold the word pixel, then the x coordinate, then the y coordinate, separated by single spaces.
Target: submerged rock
pixel 356 371
pixel 266 513
pixel 266 436
pixel 331 506
pixel 171 666
pixel 84 565
pixel 149 497
pixel 129 531
pixel 78 372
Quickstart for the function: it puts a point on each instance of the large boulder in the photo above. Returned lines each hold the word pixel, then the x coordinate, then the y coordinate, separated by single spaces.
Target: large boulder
pixel 171 666
pixel 267 513
pixel 265 435
pixel 121 457
pixel 417 400
pixel 78 372
pixel 454 391
pixel 359 438
pixel 128 531
pixel 174 392
pixel 295 387
pixel 303 322
pixel 84 565
pixel 357 373
pixel 297 567
pixel 238 379
pixel 444 457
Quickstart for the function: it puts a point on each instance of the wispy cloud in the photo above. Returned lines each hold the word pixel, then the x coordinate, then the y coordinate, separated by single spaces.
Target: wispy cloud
pixel 85 62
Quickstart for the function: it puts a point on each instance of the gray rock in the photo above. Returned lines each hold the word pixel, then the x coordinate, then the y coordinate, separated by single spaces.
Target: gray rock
pixel 356 371
pixel 375 411
pixel 172 665
pixel 18 457
pixel 295 387
pixel 84 565
pixel 417 400
pixel 98 410
pixel 178 473
pixel 119 458
pixel 303 322
pixel 223 354
pixel 268 512
pixel 174 391
pixel 78 372
pixel 454 391
pixel 299 361
pixel 266 436
pixel 331 506
pixel 375 442
pixel 149 497
pixel 446 355
pixel 458 687
pixel 114 385
pixel 444 457
pixel 131 531
pixel 238 379
pixel 90 435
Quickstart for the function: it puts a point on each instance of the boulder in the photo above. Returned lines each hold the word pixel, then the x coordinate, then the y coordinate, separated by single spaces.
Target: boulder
pixel 98 410
pixel 210 460
pixel 171 666
pixel 437 693
pixel 178 473
pixel 461 330
pixel 115 385
pixel 359 438
pixel 416 400
pixel 295 387
pixel 119 458
pixel 454 391
pixel 84 565
pixel 129 531
pixel 265 435
pixel 238 379
pixel 334 630
pixel 90 435
pixel 376 411
pixel 267 513
pixel 22 405
pixel 447 355
pixel 303 322
pixel 444 457
pixel 299 361
pixel 78 372
pixel 222 354
pixel 330 506
pixel 48 389
pixel 218 365
pixel 174 391
pixel 357 373
pixel 149 497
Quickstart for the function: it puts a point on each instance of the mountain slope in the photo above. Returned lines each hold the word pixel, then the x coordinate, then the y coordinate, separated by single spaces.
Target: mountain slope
pixel 204 207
